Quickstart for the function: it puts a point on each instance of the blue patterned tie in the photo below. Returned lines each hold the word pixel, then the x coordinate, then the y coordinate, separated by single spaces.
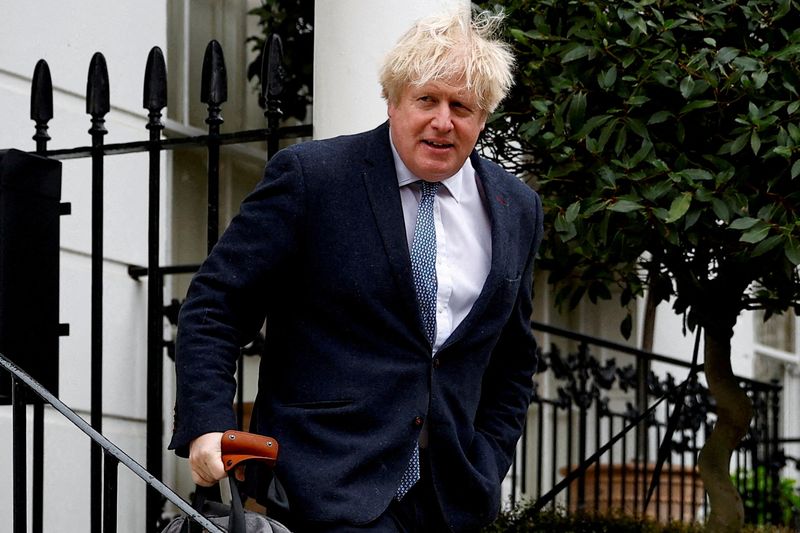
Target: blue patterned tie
pixel 423 267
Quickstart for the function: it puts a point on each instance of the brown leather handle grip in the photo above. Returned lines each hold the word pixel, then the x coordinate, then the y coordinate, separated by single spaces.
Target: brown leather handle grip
pixel 238 446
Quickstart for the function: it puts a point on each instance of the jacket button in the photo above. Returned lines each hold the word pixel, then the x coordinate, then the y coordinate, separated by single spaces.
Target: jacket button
pixel 437 363
pixel 418 421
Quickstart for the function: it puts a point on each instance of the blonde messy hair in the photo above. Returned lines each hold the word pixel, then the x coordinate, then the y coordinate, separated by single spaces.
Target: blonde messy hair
pixel 452 46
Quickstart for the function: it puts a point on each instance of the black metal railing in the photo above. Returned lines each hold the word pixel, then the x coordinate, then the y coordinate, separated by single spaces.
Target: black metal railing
pixel 214 95
pixel 619 432
pixel 111 457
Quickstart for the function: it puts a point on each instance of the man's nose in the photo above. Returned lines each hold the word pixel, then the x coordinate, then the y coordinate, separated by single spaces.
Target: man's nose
pixel 442 118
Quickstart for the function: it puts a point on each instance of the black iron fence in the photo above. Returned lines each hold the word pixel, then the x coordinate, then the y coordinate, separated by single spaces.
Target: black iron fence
pixel 214 95
pixel 611 428
pixel 23 388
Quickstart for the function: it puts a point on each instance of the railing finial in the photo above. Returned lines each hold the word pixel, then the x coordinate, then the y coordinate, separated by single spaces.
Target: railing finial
pixel 98 102
pixel 273 74
pixel 41 103
pixel 214 90
pixel 155 81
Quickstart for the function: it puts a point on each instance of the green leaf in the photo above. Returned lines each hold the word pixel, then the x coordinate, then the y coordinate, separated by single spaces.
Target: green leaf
pixel 657 190
pixel 566 230
pixel 739 143
pixel 795 169
pixel 638 23
pixel 760 78
pixel 622 140
pixel 720 209
pixel 726 55
pixel 608 176
pixel 626 327
pixel 744 223
pixel 519 35
pixel 577 52
pixel 791 109
pixel 691 218
pixel 756 234
pixel 766 245
pixel 792 250
pixel 697 174
pixel 659 117
pixel 607 79
pixel 542 106
pixel 638 128
pixel 746 64
pixel 755 142
pixel 697 104
pixel 530 129
pixel 635 101
pixel 642 153
pixel 679 207
pixel 783 151
pixel 662 214
pixel 794 132
pixel 687 86
pixel 624 206
pixel 577 110
pixel 572 211
pixel 605 134
pixel 591 124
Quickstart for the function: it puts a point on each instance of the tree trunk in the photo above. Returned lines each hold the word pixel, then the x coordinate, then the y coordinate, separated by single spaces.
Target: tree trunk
pixel 734 411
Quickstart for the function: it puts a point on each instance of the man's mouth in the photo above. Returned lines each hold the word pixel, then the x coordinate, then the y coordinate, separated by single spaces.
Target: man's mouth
pixel 439 145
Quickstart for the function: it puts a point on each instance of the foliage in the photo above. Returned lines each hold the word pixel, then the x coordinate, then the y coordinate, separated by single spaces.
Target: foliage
pixel 753 484
pixel 663 137
pixel 522 519
pixel 293 21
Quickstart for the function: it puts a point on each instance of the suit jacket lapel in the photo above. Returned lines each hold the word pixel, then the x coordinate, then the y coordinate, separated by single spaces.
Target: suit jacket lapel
pixel 380 180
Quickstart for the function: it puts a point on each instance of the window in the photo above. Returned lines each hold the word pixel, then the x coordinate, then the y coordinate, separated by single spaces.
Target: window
pixel 777 335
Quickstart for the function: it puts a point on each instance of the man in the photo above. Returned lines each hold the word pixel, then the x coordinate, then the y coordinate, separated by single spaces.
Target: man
pixel 394 270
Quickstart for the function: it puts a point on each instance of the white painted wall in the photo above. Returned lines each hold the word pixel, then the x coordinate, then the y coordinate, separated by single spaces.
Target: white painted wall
pixel 351 39
pixel 67 34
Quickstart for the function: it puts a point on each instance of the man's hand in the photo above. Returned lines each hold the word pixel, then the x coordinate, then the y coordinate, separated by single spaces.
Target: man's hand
pixel 205 459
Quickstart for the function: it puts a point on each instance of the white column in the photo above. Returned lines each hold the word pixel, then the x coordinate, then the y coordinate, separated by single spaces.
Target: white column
pixel 351 38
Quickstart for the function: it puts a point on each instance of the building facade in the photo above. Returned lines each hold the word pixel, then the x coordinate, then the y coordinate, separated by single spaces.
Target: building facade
pixel 351 37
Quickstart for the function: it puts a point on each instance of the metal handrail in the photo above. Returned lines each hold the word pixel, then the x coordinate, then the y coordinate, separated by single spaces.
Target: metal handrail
pixel 110 449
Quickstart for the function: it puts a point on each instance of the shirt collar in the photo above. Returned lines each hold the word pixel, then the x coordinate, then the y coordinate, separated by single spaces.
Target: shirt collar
pixel 453 184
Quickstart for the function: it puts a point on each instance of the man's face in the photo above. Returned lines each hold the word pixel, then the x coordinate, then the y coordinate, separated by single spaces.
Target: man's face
pixel 434 128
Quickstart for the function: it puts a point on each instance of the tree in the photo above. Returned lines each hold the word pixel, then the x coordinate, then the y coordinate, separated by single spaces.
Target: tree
pixel 663 138
pixel 293 21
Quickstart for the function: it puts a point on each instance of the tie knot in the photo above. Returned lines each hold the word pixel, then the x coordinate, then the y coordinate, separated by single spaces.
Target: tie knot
pixel 429 188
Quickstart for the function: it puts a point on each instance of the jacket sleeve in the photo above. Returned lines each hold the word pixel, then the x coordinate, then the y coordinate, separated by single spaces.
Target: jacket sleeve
pixel 508 381
pixel 229 297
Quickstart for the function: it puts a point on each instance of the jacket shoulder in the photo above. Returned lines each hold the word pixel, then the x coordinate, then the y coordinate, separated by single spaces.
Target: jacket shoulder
pixel 340 150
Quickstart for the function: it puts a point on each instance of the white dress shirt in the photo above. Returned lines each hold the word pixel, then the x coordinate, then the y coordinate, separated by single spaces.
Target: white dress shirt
pixel 463 241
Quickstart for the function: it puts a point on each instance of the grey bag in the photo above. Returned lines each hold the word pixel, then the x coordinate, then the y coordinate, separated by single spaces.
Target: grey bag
pixel 237 447
pixel 233 518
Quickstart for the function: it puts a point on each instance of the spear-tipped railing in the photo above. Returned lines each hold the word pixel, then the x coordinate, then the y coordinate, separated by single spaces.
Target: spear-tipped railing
pixel 213 94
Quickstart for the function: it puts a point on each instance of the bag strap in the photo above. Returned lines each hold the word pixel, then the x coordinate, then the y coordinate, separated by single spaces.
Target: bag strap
pixel 236 521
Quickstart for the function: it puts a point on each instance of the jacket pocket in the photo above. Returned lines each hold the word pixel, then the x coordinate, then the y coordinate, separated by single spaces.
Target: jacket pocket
pixel 321 404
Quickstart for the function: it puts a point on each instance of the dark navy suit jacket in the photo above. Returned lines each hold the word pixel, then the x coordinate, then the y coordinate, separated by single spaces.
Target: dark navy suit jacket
pixel 319 249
